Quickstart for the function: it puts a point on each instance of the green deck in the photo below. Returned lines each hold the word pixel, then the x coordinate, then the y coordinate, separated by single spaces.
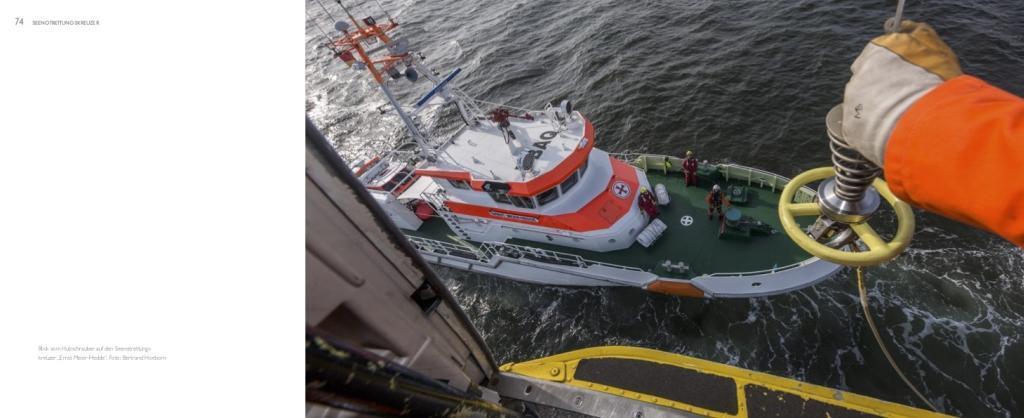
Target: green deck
pixel 696 245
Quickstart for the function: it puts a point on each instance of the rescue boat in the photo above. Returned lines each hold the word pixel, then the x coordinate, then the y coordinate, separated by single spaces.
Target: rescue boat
pixel 526 194
pixel 384 337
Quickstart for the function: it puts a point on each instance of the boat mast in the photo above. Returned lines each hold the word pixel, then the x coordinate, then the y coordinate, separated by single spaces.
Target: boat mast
pixel 370 32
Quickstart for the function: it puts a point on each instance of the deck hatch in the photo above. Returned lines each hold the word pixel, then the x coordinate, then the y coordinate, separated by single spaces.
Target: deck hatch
pixel 711 392
pixel 764 403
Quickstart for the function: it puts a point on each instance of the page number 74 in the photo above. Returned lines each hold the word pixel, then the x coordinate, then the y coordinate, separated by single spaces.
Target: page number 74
pixel 19 21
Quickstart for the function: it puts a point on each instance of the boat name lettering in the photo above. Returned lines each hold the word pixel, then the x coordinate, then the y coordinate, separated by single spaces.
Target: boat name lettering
pixel 513 216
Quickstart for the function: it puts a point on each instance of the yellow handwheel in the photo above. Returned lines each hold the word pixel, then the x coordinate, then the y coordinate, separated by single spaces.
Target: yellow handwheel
pixel 878 252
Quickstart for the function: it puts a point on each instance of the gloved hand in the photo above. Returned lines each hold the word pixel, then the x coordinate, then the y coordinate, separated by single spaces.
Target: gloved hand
pixel 893 72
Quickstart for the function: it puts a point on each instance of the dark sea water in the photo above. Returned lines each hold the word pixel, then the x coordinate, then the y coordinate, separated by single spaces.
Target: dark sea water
pixel 748 82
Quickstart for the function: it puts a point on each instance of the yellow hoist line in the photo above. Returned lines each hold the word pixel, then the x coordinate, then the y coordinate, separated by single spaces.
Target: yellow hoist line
pixel 878 338
pixel 878 250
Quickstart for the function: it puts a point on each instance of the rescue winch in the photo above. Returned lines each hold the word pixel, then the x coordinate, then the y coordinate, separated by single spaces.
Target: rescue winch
pixel 847 198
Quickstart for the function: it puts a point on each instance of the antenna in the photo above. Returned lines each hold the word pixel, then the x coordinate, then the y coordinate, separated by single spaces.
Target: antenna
pixel 349 48
pixel 393 60
pixel 384 10
pixel 350 17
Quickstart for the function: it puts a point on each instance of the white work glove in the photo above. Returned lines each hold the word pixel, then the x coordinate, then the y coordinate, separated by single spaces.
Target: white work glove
pixel 893 72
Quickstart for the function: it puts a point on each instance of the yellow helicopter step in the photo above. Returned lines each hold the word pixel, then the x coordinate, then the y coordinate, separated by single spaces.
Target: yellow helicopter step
pixel 702 387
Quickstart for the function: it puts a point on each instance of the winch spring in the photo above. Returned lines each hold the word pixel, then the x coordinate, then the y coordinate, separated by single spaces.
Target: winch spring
pixel 854 173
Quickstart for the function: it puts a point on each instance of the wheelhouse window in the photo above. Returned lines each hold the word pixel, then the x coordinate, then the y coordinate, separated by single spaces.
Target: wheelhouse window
pixel 397 180
pixel 459 184
pixel 583 167
pixel 522 202
pixel 569 182
pixel 548 196
pixel 500 197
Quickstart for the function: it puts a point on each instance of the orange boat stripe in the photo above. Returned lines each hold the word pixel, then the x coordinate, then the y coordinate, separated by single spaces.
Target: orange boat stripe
pixel 675 288
pixel 534 186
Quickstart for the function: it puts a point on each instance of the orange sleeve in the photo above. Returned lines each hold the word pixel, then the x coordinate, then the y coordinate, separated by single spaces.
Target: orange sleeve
pixel 959 152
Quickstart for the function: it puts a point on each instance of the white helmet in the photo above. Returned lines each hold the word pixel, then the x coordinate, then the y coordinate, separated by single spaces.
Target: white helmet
pixel 716 188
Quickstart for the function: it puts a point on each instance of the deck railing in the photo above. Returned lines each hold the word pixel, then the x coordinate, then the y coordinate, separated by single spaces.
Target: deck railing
pixel 435 199
pixel 753 176
pixel 486 252
pixel 490 105
pixel 765 271
pixel 538 254
pixel 447 248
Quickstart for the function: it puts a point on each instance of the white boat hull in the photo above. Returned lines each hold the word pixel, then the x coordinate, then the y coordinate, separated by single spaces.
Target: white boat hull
pixel 718 285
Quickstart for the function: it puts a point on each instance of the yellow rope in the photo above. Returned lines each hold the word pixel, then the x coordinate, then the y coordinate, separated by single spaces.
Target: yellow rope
pixel 878 339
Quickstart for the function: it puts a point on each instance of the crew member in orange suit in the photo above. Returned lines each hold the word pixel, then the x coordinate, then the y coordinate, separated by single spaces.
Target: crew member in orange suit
pixel 690 169
pixel 948 142
pixel 715 200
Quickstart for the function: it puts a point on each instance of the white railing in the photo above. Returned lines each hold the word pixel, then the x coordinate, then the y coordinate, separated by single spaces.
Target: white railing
pixel 765 271
pixel 504 106
pixel 753 176
pixel 627 156
pixel 508 250
pixel 435 200
pixel 446 248
pixel 730 171
pixel 487 252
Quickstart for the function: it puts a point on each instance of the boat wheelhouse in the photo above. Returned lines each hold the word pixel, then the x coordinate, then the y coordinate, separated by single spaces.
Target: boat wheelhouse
pixel 526 195
pixel 535 177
